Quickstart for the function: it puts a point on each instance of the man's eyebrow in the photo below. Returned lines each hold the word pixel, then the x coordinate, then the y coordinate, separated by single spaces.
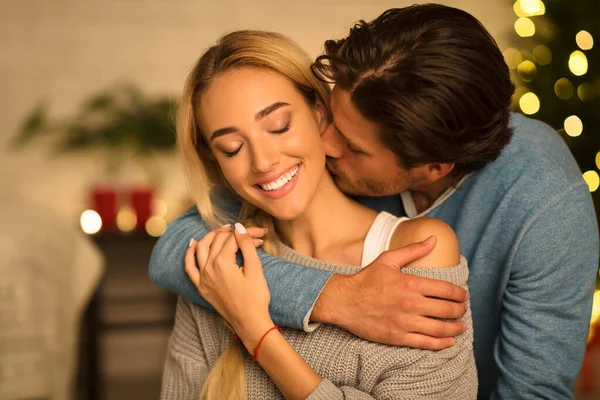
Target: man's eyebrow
pixel 268 110
pixel 259 115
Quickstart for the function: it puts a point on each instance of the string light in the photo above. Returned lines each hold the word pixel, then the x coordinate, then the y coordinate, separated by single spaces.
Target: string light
pixel 585 92
pixel 126 219
pixel 512 57
pixel 527 71
pixel 578 63
pixel 563 89
pixel 156 226
pixel 90 222
pixel 542 55
pixel 526 8
pixel 592 179
pixel 529 103
pixel 584 40
pixel 573 126
pixel 525 27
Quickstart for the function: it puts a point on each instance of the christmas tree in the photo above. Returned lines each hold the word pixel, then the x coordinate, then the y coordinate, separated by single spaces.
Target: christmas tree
pixel 556 68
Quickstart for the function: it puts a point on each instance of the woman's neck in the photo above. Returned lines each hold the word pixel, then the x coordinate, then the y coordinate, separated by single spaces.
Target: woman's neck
pixel 332 228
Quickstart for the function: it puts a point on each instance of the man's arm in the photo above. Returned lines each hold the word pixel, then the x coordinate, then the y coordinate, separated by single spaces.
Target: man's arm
pixel 294 288
pixel 547 303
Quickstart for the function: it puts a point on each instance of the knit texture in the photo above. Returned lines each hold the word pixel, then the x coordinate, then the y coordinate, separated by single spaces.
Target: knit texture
pixel 351 368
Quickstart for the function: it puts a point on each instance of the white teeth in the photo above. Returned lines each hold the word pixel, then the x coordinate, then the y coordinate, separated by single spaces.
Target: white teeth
pixel 280 182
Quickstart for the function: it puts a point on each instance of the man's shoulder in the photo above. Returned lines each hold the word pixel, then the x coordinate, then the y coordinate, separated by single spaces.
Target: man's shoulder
pixel 537 157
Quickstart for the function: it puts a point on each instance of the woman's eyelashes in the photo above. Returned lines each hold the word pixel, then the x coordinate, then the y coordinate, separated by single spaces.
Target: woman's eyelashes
pixel 275 132
pixel 232 153
pixel 282 130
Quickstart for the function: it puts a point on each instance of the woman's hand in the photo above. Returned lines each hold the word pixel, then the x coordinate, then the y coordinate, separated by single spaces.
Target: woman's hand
pixel 240 295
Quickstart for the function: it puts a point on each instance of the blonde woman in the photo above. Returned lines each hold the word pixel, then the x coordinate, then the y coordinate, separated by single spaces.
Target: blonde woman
pixel 250 120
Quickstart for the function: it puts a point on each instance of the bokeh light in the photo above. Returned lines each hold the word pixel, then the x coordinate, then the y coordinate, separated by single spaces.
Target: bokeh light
pixel 578 63
pixel 126 219
pixel 573 126
pixel 529 103
pixel 596 308
pixel 584 40
pixel 159 207
pixel 527 71
pixel 585 92
pixel 598 160
pixel 512 57
pixel 542 55
pixel 156 226
pixel 564 89
pixel 592 179
pixel 525 27
pixel 90 221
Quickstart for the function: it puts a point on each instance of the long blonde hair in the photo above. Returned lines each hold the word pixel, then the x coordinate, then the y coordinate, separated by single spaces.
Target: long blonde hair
pixel 239 49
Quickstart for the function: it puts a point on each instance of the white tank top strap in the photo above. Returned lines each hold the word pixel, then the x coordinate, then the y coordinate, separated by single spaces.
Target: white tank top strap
pixel 379 236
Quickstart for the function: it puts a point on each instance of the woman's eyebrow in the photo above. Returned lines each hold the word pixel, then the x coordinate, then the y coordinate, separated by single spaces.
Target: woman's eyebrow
pixel 259 115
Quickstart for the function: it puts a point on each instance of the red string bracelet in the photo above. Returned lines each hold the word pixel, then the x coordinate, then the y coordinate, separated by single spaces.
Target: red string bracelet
pixel 255 352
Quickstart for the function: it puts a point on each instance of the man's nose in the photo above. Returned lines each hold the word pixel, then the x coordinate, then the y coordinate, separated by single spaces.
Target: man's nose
pixel 332 143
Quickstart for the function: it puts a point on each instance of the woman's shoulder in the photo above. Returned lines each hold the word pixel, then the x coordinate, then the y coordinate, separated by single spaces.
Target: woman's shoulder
pixel 446 252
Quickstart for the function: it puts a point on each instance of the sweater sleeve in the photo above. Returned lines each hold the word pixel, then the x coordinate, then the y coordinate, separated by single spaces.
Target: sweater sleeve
pixel 394 373
pixel 186 366
pixel 294 288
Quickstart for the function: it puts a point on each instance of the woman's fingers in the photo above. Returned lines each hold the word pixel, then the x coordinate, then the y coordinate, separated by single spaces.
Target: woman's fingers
pixel 190 263
pixel 204 244
pixel 252 264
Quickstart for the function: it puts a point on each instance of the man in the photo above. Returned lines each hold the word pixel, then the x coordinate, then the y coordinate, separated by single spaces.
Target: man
pixel 420 116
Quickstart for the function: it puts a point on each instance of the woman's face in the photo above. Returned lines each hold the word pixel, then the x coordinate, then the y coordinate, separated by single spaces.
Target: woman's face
pixel 266 138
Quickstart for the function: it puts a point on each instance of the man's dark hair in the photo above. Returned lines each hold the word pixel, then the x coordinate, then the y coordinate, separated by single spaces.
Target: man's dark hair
pixel 432 79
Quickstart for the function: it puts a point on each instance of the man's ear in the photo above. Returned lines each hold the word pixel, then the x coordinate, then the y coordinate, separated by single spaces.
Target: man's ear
pixel 322 115
pixel 436 171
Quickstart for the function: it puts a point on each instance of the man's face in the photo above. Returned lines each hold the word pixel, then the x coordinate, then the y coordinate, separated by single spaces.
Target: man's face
pixel 359 162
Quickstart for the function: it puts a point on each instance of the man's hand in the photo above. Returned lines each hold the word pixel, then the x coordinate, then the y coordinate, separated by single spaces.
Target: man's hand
pixel 384 305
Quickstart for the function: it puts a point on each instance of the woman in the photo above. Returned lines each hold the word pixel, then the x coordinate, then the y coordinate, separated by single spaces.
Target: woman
pixel 250 119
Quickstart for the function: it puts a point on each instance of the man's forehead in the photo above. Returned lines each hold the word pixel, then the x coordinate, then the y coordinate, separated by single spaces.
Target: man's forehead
pixel 350 122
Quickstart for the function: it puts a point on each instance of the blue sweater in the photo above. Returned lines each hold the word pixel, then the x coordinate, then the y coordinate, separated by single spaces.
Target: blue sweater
pixel 526 225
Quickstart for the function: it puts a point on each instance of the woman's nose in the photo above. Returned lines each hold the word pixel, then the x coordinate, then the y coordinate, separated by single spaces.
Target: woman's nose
pixel 265 157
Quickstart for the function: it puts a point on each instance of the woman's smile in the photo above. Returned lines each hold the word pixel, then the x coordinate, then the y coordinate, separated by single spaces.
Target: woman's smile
pixel 279 185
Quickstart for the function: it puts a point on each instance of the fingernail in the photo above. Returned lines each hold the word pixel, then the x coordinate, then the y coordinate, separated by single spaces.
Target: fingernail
pixel 428 240
pixel 191 243
pixel 224 226
pixel 464 328
pixel 261 242
pixel 467 297
pixel 240 228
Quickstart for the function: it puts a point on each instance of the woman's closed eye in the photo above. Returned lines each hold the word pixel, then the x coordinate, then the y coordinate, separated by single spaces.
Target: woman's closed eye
pixel 282 130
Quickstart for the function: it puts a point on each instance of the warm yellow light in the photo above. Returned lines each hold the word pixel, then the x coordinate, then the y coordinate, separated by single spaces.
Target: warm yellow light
pixel 563 89
pixel 592 179
pixel 159 207
pixel 573 126
pixel 90 222
pixel 155 226
pixel 584 40
pixel 596 308
pixel 530 7
pixel 578 63
pixel 126 219
pixel 512 57
pixel 542 55
pixel 598 166
pixel 527 71
pixel 585 92
pixel 529 103
pixel 525 27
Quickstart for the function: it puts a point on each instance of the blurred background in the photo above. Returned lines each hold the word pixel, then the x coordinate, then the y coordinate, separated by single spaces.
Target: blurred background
pixel 90 176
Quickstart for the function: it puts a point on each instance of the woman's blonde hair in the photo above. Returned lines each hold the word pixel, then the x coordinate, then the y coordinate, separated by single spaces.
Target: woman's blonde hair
pixel 239 49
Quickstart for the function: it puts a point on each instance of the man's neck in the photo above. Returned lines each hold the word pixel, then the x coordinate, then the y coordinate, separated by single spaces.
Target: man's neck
pixel 426 194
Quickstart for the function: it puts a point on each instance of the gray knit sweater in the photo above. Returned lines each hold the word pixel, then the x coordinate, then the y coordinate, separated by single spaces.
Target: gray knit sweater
pixel 351 368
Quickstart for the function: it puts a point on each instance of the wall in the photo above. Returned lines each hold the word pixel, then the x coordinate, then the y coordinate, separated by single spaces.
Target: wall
pixel 64 50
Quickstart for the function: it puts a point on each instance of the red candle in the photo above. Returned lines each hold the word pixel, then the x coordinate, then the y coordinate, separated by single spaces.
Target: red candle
pixel 141 201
